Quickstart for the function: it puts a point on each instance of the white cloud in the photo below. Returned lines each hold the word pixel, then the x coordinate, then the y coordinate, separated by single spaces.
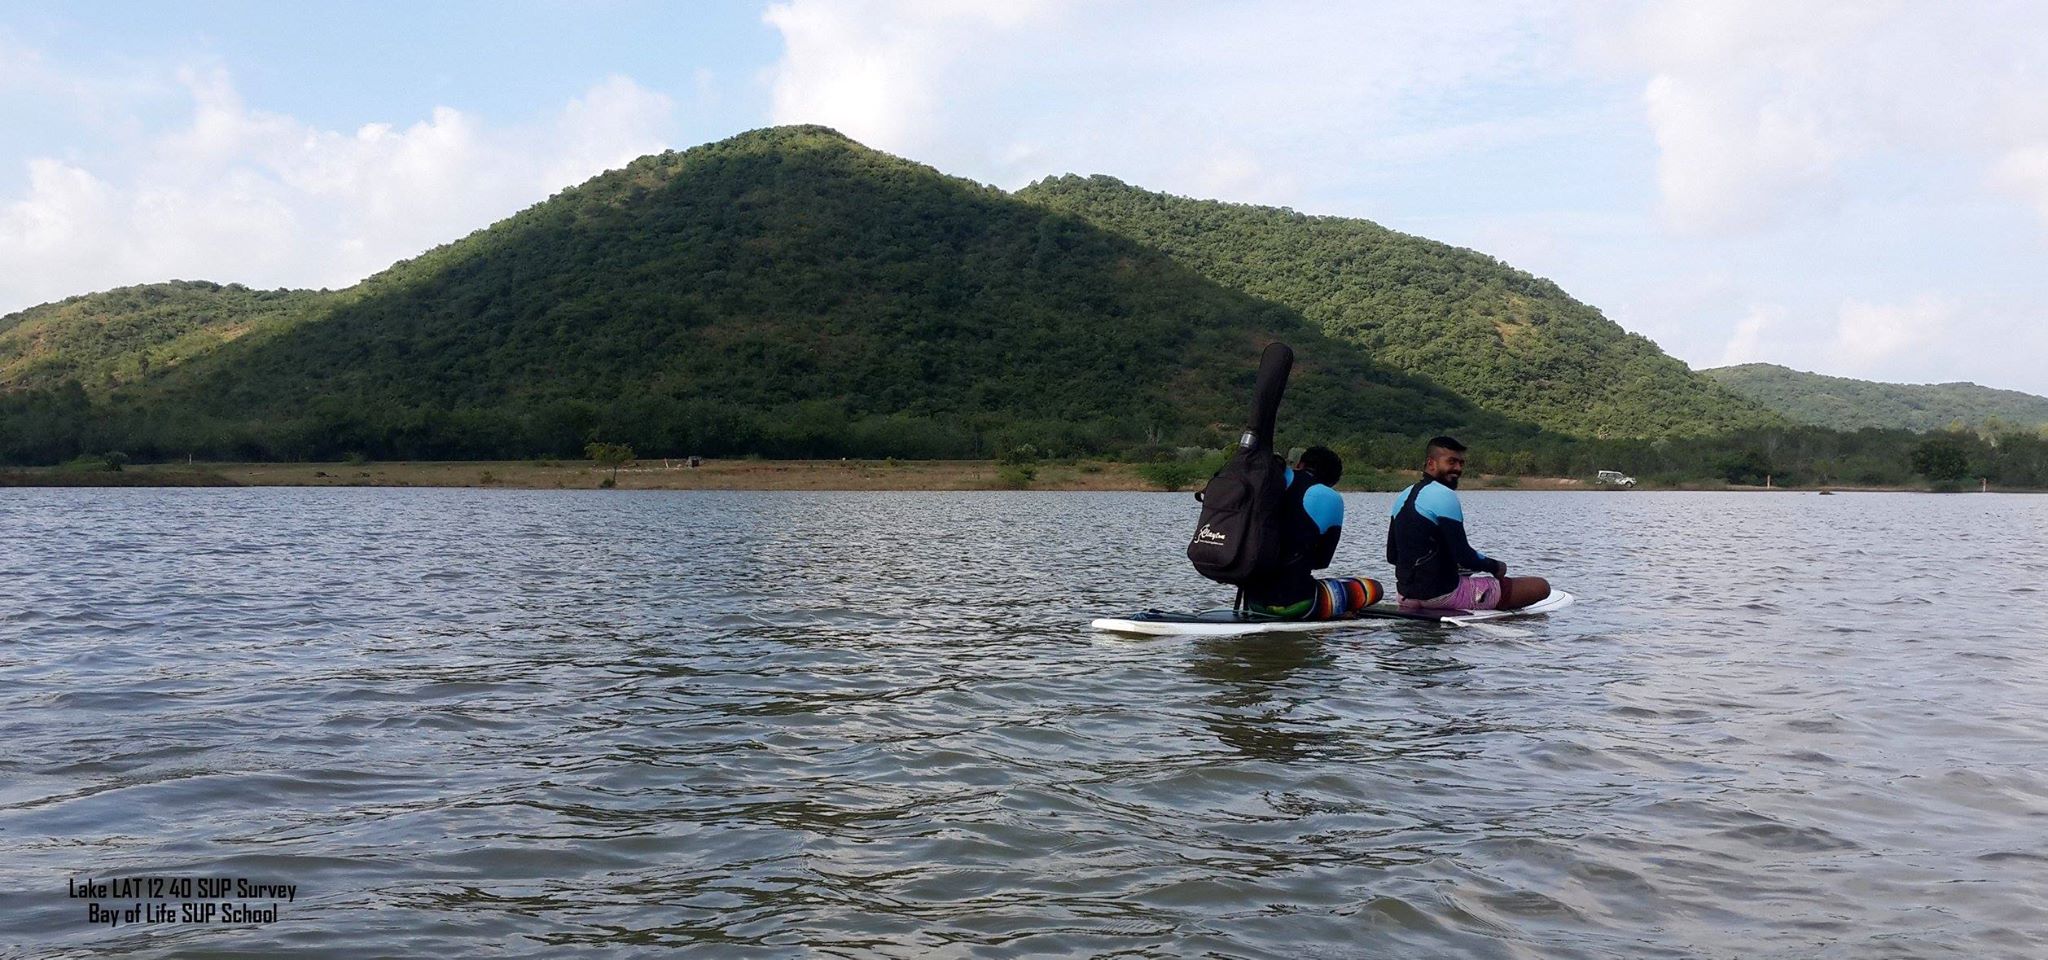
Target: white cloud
pixel 1922 338
pixel 1880 339
pixel 610 125
pixel 1762 110
pixel 1747 344
pixel 874 69
pixel 2024 172
pixel 1253 102
pixel 1723 165
pixel 236 194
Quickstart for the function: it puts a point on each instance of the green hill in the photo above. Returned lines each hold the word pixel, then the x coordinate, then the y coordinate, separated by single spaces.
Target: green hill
pixel 105 340
pixel 1846 404
pixel 785 292
pixel 1508 341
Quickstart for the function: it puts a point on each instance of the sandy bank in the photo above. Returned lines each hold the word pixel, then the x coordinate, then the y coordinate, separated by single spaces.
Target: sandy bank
pixel 716 475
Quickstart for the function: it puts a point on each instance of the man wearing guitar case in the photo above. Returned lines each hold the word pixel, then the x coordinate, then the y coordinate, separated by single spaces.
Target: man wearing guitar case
pixel 1266 528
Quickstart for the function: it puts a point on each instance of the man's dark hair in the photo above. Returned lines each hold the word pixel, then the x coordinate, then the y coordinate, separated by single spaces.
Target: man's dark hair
pixel 1324 463
pixel 1449 444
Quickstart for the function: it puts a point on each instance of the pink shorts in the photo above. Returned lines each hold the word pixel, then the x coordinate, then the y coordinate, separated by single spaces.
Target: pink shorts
pixel 1473 593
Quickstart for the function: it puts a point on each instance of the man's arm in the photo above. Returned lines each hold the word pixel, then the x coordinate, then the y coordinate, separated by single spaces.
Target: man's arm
pixel 1326 507
pixel 1325 549
pixel 1468 558
pixel 1441 506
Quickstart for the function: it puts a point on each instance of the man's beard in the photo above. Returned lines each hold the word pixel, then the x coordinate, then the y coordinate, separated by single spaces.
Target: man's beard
pixel 1450 481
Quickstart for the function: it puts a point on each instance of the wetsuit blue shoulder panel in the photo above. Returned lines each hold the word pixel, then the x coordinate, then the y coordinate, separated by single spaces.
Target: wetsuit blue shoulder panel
pixel 1438 502
pixel 1435 502
pixel 1324 505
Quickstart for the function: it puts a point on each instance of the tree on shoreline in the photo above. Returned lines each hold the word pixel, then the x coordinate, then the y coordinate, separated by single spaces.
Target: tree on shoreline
pixel 1941 459
pixel 613 455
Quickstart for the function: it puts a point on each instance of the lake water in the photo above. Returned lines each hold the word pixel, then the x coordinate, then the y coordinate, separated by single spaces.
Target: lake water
pixel 508 723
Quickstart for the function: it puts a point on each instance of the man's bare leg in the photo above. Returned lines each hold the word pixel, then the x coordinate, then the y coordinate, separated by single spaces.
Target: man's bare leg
pixel 1519 592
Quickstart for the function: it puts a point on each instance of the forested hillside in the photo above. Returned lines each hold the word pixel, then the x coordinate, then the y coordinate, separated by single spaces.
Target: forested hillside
pixel 786 292
pixel 105 340
pixel 1508 341
pixel 1846 404
pixel 790 293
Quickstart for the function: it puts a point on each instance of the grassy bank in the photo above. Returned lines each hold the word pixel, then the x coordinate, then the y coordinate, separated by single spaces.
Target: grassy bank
pixel 641 475
pixel 736 475
pixel 183 476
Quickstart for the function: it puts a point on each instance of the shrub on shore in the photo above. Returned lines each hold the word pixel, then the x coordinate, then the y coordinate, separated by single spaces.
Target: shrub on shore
pixel 1016 477
pixel 1170 474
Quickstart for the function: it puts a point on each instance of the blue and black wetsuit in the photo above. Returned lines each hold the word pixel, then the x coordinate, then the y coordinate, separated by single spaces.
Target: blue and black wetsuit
pixel 1426 541
pixel 1314 526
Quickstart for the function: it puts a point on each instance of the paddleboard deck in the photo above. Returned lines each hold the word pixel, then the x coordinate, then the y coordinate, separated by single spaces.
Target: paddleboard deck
pixel 1230 623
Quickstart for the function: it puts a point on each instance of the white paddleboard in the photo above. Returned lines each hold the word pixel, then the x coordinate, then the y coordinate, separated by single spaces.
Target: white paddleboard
pixel 1230 623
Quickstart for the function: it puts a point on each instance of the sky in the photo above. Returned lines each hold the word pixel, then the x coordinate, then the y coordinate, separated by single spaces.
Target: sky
pixel 1853 188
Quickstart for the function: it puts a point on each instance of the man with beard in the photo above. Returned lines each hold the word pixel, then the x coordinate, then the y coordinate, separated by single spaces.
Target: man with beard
pixel 1434 567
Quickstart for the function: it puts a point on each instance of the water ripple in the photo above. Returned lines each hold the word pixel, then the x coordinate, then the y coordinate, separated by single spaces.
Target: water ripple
pixel 874 725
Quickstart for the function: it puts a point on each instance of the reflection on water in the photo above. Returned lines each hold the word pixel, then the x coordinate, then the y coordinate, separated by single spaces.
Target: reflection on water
pixel 1258 702
pixel 552 724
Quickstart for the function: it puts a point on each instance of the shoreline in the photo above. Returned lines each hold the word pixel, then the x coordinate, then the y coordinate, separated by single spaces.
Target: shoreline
pixel 766 475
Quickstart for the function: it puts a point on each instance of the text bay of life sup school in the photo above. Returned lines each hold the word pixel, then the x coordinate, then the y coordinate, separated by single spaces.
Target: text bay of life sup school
pixel 194 911
pixel 181 888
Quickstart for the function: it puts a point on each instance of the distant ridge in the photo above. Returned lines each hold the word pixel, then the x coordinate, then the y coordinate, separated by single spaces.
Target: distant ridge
pixel 1848 404
pixel 789 292
pixel 103 340
pixel 1508 341
pixel 786 292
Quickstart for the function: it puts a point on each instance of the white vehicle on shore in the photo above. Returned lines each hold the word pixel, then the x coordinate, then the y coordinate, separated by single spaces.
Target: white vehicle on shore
pixel 1615 478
